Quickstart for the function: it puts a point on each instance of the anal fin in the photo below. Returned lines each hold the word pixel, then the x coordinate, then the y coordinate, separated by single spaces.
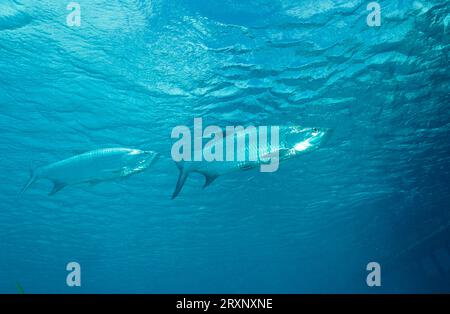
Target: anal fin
pixel 209 178
pixel 57 186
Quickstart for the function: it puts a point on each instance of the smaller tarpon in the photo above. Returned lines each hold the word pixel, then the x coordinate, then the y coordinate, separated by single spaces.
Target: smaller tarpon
pixel 94 167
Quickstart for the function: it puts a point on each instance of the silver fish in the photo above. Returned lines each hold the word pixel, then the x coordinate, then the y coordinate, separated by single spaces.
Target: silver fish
pixel 293 142
pixel 93 167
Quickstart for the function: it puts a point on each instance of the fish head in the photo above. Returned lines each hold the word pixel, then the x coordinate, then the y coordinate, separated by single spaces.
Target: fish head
pixel 139 160
pixel 300 140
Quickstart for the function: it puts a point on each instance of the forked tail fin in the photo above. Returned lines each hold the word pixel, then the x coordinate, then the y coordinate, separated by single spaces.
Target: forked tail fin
pixel 181 179
pixel 30 182
pixel 209 178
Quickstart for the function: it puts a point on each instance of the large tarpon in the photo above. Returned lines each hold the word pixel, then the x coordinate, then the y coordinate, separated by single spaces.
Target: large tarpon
pixel 93 167
pixel 293 142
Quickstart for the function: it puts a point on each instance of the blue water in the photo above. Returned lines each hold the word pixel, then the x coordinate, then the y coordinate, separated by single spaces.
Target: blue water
pixel 135 69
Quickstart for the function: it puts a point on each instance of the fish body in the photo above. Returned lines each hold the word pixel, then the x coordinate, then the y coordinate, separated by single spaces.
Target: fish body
pixel 293 142
pixel 93 167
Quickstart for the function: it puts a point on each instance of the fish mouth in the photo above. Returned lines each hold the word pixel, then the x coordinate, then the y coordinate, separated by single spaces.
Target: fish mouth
pixel 321 137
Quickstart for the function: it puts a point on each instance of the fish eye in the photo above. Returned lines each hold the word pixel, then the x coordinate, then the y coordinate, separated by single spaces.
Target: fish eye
pixel 315 130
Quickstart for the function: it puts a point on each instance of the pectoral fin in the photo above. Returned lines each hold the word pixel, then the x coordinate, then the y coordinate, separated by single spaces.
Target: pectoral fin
pixel 284 152
pixel 114 171
pixel 57 186
pixel 280 154
pixel 248 165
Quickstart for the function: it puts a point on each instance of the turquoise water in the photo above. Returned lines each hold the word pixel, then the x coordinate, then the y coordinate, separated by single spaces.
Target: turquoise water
pixel 133 70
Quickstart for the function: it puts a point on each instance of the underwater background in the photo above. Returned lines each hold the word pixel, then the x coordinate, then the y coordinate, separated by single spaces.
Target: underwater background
pixel 133 70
